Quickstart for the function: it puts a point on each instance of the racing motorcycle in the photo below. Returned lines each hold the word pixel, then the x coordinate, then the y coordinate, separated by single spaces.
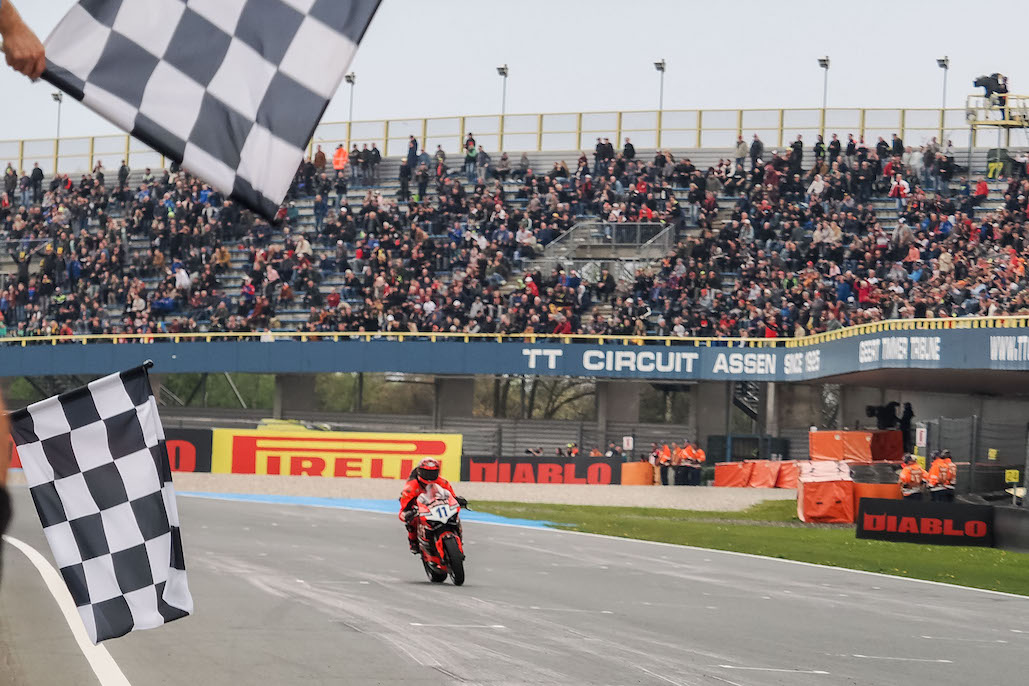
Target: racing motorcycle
pixel 439 534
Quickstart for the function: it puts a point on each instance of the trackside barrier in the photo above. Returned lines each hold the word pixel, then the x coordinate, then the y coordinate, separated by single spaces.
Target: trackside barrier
pixel 308 453
pixel 997 344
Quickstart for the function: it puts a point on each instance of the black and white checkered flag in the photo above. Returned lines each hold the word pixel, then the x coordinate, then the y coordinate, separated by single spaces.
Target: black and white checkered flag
pixel 232 89
pixel 99 475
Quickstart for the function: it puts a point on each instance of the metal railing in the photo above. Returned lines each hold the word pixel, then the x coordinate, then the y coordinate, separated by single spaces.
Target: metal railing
pixel 593 239
pixel 551 131
pixel 937 324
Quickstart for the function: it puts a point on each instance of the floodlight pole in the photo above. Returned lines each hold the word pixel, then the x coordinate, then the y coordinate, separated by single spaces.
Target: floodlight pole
pixel 944 64
pixel 660 67
pixel 503 71
pixel 823 62
pixel 351 79
pixel 58 97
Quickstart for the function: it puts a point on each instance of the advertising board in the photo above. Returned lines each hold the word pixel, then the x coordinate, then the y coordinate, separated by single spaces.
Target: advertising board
pixel 331 453
pixel 925 522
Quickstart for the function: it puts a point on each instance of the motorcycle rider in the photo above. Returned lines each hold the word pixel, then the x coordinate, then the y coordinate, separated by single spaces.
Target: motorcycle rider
pixel 427 472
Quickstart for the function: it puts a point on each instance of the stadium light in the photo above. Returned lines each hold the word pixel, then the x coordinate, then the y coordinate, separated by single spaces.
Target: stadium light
pixel 823 62
pixel 350 78
pixel 944 64
pixel 660 66
pixel 503 71
pixel 57 97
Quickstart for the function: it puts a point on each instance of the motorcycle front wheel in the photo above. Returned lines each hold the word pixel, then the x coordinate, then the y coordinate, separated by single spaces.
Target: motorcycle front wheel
pixel 436 577
pixel 455 560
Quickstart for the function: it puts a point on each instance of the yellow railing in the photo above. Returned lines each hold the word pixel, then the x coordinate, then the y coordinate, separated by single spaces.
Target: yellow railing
pixel 549 131
pixel 938 324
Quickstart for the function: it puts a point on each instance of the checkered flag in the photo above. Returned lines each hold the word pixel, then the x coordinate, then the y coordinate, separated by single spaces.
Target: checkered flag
pixel 99 475
pixel 232 89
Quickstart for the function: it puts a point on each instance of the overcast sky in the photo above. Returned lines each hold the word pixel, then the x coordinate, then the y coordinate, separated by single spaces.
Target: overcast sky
pixel 439 57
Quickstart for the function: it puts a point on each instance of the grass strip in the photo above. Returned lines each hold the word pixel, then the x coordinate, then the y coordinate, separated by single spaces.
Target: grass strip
pixel 749 531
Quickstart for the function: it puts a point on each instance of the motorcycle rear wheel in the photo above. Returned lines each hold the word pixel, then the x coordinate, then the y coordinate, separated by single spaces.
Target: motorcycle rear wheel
pixel 436 577
pixel 455 560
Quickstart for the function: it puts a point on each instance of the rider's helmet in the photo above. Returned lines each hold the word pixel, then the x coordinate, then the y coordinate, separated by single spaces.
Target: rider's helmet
pixel 427 471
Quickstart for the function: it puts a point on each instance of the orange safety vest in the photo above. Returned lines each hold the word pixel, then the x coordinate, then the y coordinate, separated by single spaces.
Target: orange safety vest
pixel 665 456
pixel 943 473
pixel 339 159
pixel 911 478
pixel 682 455
pixel 699 455
pixel 952 473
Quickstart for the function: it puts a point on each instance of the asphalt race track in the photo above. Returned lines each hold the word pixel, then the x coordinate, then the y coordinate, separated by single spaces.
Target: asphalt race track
pixel 300 595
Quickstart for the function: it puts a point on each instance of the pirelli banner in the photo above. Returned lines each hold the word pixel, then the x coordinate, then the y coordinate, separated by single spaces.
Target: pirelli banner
pixel 331 453
pixel 301 452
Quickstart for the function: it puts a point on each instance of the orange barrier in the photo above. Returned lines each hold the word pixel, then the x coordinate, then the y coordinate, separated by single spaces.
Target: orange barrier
pixel 637 474
pixel 733 474
pixel 856 446
pixel 757 474
pixel 888 491
pixel 826 501
pixel 887 446
pixel 825 445
pixel 788 474
pixel 764 474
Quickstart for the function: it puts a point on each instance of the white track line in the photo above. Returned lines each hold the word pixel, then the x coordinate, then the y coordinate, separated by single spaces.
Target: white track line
pixel 772 669
pixel 214 496
pixel 902 659
pixel 462 626
pixel 660 676
pixel 965 640
pixel 104 666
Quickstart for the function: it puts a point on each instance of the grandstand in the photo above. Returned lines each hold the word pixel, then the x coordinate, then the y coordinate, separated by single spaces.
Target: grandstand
pixel 694 261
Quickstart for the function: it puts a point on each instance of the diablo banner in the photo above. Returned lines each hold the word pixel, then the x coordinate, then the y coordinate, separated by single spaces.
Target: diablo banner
pixel 331 453
pixel 925 522
pixel 582 469
pixel 189 450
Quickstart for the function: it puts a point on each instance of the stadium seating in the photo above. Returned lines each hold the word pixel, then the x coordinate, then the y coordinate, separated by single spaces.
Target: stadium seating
pixel 484 258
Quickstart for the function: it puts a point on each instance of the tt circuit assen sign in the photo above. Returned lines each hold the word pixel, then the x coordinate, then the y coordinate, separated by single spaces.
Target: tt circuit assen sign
pixel 941 345
pixel 953 349
pixel 670 362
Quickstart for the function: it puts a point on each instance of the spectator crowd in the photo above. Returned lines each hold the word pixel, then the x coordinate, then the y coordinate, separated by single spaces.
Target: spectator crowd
pixel 801 249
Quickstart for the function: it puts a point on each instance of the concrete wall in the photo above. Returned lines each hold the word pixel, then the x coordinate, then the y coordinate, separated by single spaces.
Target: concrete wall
pixel 709 402
pixel 455 397
pixel 617 401
pixel 295 393
pixel 799 406
pixel 796 406
pixel 929 405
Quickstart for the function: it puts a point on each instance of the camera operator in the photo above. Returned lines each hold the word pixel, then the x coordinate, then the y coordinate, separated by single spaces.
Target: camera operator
pixel 995 84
